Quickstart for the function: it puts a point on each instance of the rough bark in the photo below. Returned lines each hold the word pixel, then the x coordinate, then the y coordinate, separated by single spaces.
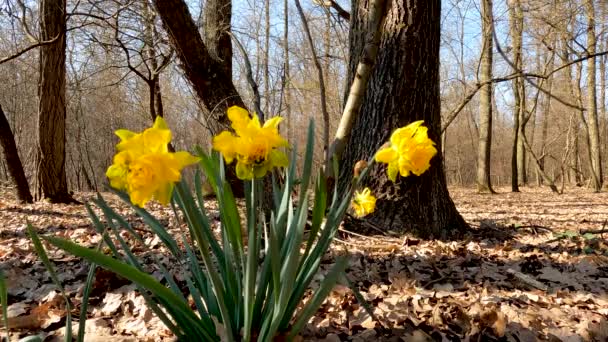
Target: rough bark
pixel 403 87
pixel 208 76
pixel 216 25
pixel 594 132
pixel 50 166
pixel 484 183
pixel 13 162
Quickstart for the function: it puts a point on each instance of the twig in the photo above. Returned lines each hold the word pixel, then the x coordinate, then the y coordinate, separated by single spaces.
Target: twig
pixel 367 224
pixel 359 235
pixel 533 226
pixel 526 279
pixel 595 231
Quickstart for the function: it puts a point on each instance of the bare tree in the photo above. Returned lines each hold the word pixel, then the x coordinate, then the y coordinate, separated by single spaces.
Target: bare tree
pixel 484 183
pixel 50 168
pixel 516 23
pixel 594 134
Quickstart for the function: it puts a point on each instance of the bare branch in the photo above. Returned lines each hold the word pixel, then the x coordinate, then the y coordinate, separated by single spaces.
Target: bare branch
pixel 342 13
pixel 33 46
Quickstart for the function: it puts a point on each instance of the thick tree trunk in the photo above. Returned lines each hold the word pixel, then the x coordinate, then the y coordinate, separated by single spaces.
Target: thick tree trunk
pixel 404 87
pixel 50 168
pixel 594 132
pixel 484 183
pixel 208 76
pixel 13 162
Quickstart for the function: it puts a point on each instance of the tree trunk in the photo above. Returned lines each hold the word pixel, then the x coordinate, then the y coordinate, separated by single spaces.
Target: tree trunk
pixel 594 133
pixel 209 76
pixel 150 35
pixel 286 72
pixel 516 22
pixel 407 68
pixel 13 162
pixel 484 183
pixel 266 57
pixel 546 110
pixel 50 166
pixel 216 25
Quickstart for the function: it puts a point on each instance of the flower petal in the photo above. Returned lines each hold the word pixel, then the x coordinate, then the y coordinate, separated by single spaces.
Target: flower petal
pixel 239 118
pixel 244 171
pixel 226 144
pixel 386 155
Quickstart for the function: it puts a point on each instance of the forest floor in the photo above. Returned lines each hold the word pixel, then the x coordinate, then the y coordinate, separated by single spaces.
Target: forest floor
pixel 530 270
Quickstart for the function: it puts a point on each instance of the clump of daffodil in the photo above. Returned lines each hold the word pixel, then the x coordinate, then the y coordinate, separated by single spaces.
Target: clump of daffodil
pixel 363 203
pixel 143 165
pixel 410 151
pixel 255 147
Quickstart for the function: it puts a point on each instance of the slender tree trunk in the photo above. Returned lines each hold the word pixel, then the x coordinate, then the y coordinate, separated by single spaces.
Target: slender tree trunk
pixel 287 74
pixel 594 134
pixel 522 175
pixel 51 156
pixel 516 30
pixel 150 34
pixel 546 115
pixel 407 69
pixel 13 162
pixel 484 183
pixel 266 56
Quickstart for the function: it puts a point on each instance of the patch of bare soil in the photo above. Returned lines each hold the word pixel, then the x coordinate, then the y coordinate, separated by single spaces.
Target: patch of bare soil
pixel 535 267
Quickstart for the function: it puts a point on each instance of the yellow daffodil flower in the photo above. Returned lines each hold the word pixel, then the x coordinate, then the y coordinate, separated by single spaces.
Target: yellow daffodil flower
pixel 151 140
pixel 410 151
pixel 255 147
pixel 144 167
pixel 364 203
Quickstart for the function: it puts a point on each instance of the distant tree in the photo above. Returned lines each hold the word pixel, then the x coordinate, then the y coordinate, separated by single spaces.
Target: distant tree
pixel 404 87
pixel 13 162
pixel 518 159
pixel 592 118
pixel 484 183
pixel 51 155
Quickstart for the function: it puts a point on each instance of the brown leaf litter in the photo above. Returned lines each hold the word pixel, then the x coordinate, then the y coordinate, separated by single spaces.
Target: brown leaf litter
pixel 529 271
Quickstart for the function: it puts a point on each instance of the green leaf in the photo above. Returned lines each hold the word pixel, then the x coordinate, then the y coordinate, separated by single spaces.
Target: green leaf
pixel 319 297
pixel 172 302
pixel 4 303
pixel 588 236
pixel 49 266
